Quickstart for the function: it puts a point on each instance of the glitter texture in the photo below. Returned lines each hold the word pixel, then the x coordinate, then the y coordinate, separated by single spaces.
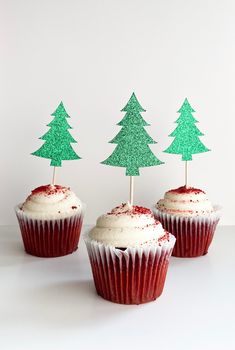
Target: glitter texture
pixel 57 139
pixel 132 151
pixel 186 134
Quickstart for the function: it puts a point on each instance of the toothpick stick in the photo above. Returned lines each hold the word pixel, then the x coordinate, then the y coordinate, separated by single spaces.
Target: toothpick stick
pixel 131 190
pixel 54 176
pixel 186 174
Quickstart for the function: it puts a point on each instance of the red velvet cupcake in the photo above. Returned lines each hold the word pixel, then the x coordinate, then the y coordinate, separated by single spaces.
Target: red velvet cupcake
pixel 129 253
pixel 50 221
pixel 191 218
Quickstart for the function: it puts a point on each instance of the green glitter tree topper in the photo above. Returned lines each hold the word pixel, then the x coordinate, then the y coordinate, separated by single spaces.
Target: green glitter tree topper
pixel 57 139
pixel 132 150
pixel 186 134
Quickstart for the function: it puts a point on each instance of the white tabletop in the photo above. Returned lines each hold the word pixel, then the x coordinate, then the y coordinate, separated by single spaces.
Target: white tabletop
pixel 51 304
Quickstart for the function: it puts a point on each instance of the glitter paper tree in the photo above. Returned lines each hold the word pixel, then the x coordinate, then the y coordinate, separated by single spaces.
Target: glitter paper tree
pixel 58 139
pixel 187 141
pixel 132 150
pixel 186 134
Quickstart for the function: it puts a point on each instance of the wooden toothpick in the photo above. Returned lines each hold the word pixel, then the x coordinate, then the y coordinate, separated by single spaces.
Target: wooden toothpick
pixel 131 190
pixel 54 176
pixel 186 174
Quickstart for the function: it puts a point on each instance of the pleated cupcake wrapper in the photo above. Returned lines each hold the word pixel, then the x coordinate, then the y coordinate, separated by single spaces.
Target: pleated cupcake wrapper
pixel 193 234
pixel 50 238
pixel 131 276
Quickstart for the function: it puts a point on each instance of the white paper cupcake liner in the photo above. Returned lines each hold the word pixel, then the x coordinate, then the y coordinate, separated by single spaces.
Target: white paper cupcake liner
pixel 193 234
pixel 131 276
pixel 50 238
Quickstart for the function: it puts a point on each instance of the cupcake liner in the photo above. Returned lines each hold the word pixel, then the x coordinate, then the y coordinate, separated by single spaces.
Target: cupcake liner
pixel 193 234
pixel 50 238
pixel 130 276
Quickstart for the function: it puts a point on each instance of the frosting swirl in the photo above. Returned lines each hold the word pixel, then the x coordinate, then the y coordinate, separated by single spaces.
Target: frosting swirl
pixel 127 226
pixel 184 201
pixel 51 202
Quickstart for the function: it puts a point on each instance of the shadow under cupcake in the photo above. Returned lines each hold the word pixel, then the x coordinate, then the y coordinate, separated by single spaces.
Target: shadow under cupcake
pixel 129 252
pixel 190 217
pixel 50 221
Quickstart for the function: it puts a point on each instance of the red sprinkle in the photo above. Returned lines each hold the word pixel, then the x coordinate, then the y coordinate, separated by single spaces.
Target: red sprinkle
pixel 135 210
pixel 49 189
pixel 165 237
pixel 74 207
pixel 140 210
pixel 184 189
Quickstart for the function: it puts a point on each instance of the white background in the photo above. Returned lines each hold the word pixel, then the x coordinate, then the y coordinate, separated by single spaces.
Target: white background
pixel 92 55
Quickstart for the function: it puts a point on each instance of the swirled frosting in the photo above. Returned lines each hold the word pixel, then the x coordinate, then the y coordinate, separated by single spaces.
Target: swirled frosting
pixel 127 226
pixel 51 202
pixel 184 201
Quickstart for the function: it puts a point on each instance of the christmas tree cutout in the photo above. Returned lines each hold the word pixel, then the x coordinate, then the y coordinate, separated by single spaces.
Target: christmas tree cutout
pixel 187 141
pixel 186 134
pixel 57 140
pixel 132 151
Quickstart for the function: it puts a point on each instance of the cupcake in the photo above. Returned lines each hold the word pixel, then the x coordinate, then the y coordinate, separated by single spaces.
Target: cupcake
pixel 129 253
pixel 190 217
pixel 50 221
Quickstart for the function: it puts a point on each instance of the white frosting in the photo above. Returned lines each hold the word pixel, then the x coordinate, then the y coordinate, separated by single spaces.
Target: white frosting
pixel 52 204
pixel 192 202
pixel 126 227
